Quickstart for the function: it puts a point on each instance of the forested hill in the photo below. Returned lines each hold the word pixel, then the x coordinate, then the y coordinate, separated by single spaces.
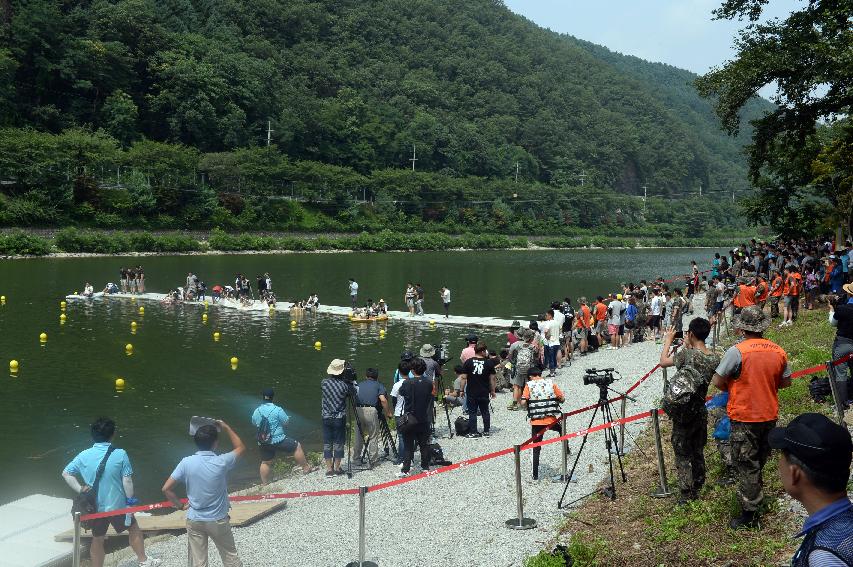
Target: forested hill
pixel 356 83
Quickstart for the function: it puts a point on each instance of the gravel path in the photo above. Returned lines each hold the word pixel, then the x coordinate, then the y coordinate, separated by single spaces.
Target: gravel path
pixel 456 518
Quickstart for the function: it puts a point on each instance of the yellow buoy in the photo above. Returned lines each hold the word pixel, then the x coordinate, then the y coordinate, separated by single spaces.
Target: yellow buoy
pixel 432 322
pixel 62 317
pixel 13 365
pixel 128 348
pixel 62 305
pixel 119 383
pixel 43 337
pixel 141 310
pixel 2 298
pixel 234 360
pixel 318 344
pixel 292 323
pixel 204 317
pixel 133 324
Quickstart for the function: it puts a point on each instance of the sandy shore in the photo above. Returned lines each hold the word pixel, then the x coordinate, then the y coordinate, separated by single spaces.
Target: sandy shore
pixel 456 518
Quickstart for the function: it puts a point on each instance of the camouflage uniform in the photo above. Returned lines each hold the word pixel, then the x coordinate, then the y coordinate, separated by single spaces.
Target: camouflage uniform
pixel 690 427
pixel 750 450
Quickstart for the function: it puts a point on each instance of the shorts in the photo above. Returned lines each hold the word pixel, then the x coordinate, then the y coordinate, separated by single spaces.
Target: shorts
pixel 600 327
pixel 612 330
pixel 581 334
pixel 410 302
pixel 101 525
pixel 287 446
pixel 654 321
pixel 717 307
pixel 621 330
pixel 787 300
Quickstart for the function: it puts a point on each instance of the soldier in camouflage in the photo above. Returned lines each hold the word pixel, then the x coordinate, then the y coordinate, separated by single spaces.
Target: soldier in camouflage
pixel 752 372
pixel 684 403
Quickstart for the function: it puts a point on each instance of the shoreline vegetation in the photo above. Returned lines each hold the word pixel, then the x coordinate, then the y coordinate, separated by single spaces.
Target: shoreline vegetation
pixel 72 242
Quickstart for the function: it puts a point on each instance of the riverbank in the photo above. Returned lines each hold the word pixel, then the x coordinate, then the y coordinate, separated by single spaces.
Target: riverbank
pixel 73 242
pixel 451 518
pixel 641 530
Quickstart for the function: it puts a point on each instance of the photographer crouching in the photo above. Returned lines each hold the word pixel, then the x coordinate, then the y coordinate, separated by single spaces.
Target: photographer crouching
pixel 684 403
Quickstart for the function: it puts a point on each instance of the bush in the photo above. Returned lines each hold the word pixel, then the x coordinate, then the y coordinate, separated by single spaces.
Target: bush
pixel 21 244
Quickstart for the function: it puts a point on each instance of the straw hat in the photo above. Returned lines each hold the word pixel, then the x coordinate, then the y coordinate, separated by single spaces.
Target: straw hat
pixel 752 319
pixel 427 351
pixel 848 288
pixel 336 367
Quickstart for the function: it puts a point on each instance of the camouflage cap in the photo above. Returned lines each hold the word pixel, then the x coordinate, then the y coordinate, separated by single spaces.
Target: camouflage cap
pixel 752 319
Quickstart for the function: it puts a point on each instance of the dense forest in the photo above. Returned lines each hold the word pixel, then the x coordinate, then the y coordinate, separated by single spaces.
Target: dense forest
pixel 159 112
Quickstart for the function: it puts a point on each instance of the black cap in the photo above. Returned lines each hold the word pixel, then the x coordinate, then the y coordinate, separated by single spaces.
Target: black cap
pixel 407 355
pixel 472 338
pixel 268 393
pixel 820 443
pixel 534 371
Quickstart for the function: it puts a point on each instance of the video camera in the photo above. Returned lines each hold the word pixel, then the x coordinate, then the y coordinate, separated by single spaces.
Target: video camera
pixel 442 354
pixel 599 377
pixel 349 373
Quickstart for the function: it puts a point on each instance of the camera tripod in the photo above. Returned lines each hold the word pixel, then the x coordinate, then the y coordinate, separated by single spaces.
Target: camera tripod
pixel 439 388
pixel 610 442
pixel 386 440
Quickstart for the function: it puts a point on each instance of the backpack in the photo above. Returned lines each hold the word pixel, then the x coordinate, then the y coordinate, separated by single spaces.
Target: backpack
pixel 683 398
pixel 437 456
pixel 264 432
pixel 461 425
pixel 523 361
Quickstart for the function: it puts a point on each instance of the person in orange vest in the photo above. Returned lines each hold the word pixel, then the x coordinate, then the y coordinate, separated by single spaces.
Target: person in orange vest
pixel 583 325
pixel 752 372
pixel 762 291
pixel 796 292
pixel 744 295
pixel 776 285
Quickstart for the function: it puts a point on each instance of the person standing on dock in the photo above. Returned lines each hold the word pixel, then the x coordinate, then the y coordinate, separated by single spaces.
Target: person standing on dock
pixel 445 299
pixel 353 292
pixel 106 470
pixel 419 299
pixel 205 475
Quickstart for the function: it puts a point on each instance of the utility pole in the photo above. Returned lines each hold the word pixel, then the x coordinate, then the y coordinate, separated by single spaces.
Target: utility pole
pixel 269 132
pixel 582 176
pixel 516 172
pixel 414 157
pixel 645 195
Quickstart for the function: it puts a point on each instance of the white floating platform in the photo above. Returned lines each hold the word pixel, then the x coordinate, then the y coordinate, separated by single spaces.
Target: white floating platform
pixel 258 306
pixel 27 529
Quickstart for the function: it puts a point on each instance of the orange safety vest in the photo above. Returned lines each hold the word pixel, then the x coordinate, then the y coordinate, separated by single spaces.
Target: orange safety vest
pixel 753 395
pixel 765 291
pixel 777 281
pixel 745 296
pixel 797 283
pixel 583 319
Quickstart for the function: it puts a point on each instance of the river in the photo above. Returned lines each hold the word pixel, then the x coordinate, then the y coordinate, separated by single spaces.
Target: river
pixel 177 370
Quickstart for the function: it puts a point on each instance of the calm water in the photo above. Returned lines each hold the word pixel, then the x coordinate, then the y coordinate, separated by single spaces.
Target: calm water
pixel 177 370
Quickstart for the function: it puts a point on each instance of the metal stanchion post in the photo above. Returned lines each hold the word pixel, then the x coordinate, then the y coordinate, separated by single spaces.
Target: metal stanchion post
pixel 520 522
pixel 663 490
pixel 665 380
pixel 564 474
pixel 624 409
pixel 362 492
pixel 839 404
pixel 75 555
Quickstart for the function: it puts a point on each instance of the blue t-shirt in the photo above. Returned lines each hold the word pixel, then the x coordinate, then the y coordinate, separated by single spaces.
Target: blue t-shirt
pixel 631 312
pixel 111 494
pixel 277 418
pixel 205 475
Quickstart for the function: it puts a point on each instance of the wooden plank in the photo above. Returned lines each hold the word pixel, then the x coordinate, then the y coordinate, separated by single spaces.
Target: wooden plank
pixel 242 514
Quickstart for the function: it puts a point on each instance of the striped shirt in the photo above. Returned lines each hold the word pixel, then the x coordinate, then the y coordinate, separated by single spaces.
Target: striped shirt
pixel 334 401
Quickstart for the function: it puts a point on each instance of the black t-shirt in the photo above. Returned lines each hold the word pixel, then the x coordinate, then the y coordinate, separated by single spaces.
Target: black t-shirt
pixel 479 371
pixel 844 316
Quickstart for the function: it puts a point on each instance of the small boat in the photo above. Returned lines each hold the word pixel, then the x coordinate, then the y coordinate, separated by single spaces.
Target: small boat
pixel 368 319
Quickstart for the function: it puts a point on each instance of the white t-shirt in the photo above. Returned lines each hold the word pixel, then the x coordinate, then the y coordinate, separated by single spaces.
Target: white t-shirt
pixel 401 402
pixel 615 317
pixel 353 288
pixel 553 329
pixel 559 317
pixel 656 304
pixel 445 296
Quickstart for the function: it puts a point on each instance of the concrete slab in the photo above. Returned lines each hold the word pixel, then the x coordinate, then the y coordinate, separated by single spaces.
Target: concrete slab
pixel 27 529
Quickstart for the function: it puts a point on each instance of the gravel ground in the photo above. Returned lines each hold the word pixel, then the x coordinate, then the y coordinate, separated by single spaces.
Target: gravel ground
pixel 456 518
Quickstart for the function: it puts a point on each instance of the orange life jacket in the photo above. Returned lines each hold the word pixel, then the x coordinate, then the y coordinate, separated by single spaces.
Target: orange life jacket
pixel 764 290
pixel 777 281
pixel 745 296
pixel 753 395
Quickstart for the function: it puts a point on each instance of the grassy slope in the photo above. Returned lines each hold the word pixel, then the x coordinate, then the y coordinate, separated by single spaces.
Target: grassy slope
pixel 637 529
